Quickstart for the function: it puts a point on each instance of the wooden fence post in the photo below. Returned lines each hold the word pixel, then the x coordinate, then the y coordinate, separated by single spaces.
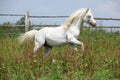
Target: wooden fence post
pixel 27 21
pixel 111 30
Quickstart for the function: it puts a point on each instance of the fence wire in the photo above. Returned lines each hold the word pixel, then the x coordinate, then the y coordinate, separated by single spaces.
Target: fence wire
pixel 36 22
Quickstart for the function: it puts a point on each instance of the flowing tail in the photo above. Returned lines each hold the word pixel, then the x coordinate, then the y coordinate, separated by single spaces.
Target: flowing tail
pixel 28 36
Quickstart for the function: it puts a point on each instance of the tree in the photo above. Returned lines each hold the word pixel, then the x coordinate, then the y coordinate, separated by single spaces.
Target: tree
pixel 21 21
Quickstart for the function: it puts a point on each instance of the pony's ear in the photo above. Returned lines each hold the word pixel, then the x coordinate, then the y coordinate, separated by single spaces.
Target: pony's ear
pixel 89 9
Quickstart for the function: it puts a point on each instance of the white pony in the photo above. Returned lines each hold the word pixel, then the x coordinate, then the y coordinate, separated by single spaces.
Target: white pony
pixel 68 32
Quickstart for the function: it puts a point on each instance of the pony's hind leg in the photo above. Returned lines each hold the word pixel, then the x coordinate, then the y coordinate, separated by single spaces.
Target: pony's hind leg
pixel 37 46
pixel 47 50
pixel 38 43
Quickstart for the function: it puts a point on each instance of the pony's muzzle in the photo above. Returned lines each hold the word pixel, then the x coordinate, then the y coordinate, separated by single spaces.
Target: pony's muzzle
pixel 92 23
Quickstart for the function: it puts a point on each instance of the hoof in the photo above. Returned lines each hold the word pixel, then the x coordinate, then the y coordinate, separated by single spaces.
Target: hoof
pixel 53 60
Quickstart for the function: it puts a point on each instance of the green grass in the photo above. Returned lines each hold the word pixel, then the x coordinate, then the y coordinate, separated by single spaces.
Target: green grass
pixel 99 61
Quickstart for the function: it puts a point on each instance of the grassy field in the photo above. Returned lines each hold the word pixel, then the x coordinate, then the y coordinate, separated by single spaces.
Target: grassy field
pixel 99 61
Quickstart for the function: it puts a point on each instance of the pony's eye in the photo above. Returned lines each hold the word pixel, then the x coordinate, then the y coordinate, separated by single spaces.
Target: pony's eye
pixel 89 16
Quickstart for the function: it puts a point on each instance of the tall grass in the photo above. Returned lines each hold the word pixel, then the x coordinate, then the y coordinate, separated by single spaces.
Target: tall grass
pixel 99 61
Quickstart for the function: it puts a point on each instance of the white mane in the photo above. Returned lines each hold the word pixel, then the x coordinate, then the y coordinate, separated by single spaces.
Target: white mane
pixel 77 14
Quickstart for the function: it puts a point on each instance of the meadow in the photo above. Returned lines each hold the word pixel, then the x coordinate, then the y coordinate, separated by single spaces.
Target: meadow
pixel 99 61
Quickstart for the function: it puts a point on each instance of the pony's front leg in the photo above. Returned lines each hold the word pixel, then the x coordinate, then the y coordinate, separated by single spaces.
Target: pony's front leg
pixel 73 46
pixel 76 42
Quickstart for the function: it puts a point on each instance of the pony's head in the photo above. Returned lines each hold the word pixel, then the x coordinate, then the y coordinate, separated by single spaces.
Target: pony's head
pixel 88 18
pixel 81 16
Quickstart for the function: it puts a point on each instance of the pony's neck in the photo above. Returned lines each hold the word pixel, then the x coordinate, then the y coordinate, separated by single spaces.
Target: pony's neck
pixel 78 23
pixel 75 19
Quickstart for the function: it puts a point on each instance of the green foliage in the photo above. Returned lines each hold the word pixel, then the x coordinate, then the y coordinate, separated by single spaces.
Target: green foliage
pixel 21 21
pixel 7 23
pixel 99 61
pixel 9 30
